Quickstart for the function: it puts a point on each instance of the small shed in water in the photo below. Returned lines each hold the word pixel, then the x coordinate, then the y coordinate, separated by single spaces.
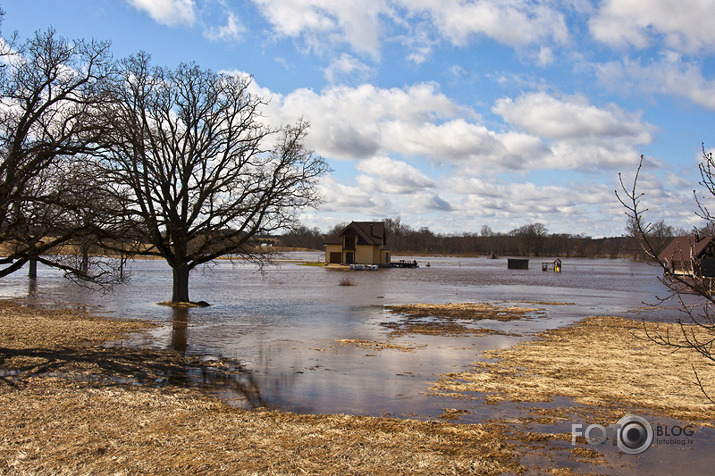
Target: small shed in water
pixel 517 263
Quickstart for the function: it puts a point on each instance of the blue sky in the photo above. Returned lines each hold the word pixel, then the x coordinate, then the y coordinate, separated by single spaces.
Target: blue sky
pixel 453 114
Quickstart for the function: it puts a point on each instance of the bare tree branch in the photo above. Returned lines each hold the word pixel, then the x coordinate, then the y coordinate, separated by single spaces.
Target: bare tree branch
pixel 689 287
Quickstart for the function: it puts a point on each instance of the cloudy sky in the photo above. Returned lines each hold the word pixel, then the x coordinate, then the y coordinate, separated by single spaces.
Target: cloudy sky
pixel 453 114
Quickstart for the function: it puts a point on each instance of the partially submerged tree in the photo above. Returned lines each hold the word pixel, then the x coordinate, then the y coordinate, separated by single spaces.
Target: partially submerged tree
pixel 199 173
pixel 692 290
pixel 50 92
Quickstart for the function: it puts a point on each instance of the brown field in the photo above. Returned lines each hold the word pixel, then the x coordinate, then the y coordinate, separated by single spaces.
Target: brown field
pixel 73 405
pixel 607 363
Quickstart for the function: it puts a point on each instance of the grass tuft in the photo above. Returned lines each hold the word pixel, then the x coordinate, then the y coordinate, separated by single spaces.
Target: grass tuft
pixel 346 281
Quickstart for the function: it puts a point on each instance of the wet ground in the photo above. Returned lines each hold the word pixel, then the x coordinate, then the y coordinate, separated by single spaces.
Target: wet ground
pixel 299 341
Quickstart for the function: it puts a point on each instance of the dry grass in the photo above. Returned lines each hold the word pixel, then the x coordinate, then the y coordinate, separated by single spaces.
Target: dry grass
pixel 602 362
pixel 451 319
pixel 378 346
pixel 67 411
pixel 75 406
pixel 24 327
pixel 466 311
pixel 57 427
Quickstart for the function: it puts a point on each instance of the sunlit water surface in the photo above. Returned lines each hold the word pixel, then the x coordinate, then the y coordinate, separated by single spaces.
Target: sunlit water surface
pixel 280 326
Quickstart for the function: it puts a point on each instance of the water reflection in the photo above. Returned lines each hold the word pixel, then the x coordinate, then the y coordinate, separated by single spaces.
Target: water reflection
pixel 228 378
pixel 180 324
pixel 31 286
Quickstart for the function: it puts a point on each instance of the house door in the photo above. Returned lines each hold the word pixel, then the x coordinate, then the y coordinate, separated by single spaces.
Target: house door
pixel 335 257
pixel 349 259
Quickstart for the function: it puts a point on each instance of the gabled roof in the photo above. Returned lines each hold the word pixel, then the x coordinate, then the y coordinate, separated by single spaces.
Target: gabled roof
pixel 369 232
pixel 685 248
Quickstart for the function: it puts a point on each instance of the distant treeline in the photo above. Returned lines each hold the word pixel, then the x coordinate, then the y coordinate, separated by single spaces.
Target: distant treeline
pixel 528 240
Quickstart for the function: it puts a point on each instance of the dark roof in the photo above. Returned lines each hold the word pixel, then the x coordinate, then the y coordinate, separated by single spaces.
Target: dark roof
pixel 685 248
pixel 369 232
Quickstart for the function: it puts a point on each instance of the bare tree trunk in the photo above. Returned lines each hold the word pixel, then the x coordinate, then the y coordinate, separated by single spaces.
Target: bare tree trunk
pixel 32 272
pixel 181 283
pixel 84 264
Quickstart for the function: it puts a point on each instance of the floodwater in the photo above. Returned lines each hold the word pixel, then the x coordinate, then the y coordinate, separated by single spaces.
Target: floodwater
pixel 281 326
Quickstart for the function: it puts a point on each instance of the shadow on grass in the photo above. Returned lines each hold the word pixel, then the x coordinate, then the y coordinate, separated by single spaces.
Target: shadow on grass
pixel 108 366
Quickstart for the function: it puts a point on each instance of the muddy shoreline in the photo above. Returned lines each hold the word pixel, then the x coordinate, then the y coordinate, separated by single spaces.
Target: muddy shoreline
pixel 72 404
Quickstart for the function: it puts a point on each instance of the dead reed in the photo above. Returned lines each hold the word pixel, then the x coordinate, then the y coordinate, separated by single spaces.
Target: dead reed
pixel 346 281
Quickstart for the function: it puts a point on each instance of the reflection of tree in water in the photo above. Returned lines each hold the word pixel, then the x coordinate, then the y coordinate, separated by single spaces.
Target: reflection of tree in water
pixel 179 325
pixel 225 375
pixel 31 287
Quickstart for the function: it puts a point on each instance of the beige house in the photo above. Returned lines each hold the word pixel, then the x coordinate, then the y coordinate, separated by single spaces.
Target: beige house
pixel 361 242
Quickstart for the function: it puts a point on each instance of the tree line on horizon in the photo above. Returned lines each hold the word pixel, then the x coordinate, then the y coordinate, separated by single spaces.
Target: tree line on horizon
pixel 528 240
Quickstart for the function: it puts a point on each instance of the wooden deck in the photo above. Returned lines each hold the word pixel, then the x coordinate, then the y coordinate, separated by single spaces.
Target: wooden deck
pixel 404 264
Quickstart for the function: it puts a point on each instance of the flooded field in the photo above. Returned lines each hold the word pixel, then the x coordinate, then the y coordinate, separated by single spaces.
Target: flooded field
pixel 295 339
pixel 301 342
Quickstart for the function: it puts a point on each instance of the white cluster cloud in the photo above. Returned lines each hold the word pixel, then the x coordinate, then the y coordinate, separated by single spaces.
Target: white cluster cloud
pixel 386 175
pixel 168 12
pixel 516 23
pixel 231 31
pixel 572 117
pixel 319 20
pixel 564 133
pixel 536 26
pixel 685 25
pixel 414 149
pixel 450 161
pixel 581 135
pixel 350 122
pixel 347 69
pixel 671 74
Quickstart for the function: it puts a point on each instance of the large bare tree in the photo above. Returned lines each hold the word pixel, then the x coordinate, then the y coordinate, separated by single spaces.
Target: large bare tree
pixel 50 91
pixel 201 171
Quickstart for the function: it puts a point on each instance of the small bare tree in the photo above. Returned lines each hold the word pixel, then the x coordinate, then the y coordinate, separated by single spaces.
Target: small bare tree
pixel 199 173
pixel 50 91
pixel 692 290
